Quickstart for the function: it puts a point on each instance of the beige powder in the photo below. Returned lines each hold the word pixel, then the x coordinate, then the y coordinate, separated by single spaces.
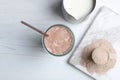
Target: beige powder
pixel 100 56
pixel 96 57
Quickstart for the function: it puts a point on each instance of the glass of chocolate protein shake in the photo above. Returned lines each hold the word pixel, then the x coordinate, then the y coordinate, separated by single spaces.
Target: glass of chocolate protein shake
pixel 60 40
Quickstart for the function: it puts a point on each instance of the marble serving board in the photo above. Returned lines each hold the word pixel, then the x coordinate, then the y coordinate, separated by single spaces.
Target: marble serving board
pixel 106 25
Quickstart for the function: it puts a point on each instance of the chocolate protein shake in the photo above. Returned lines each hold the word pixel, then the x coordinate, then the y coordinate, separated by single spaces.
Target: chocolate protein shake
pixel 59 41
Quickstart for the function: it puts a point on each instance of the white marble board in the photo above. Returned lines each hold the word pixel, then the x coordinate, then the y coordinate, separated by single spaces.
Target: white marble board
pixel 105 26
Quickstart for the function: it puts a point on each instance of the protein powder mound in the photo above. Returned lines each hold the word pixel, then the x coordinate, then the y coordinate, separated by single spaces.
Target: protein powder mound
pixel 98 57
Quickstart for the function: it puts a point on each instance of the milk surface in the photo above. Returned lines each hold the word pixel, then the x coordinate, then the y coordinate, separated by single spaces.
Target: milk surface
pixel 78 8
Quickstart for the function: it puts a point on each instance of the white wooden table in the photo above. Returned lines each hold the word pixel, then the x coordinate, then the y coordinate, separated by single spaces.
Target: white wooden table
pixel 21 54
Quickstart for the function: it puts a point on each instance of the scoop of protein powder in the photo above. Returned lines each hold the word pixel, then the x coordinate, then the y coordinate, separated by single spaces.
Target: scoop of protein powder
pixel 100 56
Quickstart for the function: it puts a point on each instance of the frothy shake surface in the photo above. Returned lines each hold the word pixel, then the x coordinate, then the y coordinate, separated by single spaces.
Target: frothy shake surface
pixel 59 41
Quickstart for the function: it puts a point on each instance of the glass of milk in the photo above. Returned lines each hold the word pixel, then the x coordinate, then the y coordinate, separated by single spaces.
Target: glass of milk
pixel 77 10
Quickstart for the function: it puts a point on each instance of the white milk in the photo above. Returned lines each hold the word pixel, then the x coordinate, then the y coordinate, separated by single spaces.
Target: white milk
pixel 78 8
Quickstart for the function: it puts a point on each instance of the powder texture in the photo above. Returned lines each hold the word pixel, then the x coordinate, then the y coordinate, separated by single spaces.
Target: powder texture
pixel 97 57
pixel 59 41
pixel 100 56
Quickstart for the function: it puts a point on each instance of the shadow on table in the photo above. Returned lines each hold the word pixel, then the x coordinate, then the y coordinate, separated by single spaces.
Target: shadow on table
pixel 56 9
